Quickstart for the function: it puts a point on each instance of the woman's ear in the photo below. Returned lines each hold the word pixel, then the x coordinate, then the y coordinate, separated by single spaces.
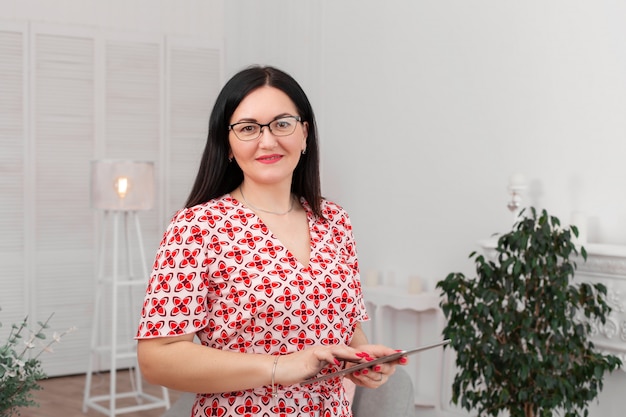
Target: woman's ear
pixel 305 132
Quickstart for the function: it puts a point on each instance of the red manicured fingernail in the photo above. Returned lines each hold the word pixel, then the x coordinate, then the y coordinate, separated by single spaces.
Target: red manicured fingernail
pixel 357 373
pixel 369 359
pixel 362 354
pixel 377 368
pixel 365 372
pixel 403 360
pixel 337 362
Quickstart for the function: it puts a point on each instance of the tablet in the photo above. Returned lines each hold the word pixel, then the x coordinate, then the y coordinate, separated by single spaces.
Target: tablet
pixel 383 359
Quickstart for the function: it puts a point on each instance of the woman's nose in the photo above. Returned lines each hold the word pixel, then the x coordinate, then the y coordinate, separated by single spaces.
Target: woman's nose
pixel 267 138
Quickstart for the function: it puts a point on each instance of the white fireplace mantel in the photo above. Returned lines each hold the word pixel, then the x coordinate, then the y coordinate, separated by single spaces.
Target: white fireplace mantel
pixel 603 258
pixel 605 264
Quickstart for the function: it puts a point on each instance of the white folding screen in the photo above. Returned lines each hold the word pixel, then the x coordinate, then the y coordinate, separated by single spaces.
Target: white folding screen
pixel 192 88
pixel 61 119
pixel 133 85
pixel 68 96
pixel 14 243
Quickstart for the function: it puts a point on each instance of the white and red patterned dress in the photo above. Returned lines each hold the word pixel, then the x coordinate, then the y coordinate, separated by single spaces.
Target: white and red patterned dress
pixel 220 273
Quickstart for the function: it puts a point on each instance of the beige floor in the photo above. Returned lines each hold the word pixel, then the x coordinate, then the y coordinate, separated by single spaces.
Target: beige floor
pixel 63 396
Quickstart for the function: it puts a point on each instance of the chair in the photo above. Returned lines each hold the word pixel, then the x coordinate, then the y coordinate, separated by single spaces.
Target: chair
pixel 393 399
pixel 182 406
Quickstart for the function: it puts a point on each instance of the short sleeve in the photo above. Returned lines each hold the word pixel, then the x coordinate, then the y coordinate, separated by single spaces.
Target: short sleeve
pixel 176 297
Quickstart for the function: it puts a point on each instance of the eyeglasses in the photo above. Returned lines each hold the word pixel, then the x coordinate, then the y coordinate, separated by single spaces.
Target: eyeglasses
pixel 247 131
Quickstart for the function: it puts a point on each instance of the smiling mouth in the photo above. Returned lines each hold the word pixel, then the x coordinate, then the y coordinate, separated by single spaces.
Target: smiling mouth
pixel 269 158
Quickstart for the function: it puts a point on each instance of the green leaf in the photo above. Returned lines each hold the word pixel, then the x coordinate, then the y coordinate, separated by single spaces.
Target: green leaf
pixel 515 326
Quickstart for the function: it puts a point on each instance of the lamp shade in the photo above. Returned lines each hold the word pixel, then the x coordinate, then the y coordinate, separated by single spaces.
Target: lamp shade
pixel 122 185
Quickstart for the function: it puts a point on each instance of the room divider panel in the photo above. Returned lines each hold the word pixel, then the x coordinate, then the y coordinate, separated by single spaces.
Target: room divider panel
pixel 71 95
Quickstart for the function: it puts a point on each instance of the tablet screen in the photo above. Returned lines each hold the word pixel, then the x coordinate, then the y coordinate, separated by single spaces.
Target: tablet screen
pixel 383 359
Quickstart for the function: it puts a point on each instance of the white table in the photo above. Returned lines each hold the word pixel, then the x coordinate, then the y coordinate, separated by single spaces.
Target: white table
pixel 381 301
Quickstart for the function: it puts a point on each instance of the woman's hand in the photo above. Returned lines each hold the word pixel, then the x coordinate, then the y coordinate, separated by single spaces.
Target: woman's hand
pixel 298 366
pixel 378 374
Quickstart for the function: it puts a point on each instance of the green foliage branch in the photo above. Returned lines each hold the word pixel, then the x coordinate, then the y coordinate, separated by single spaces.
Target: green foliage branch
pixel 520 328
pixel 20 366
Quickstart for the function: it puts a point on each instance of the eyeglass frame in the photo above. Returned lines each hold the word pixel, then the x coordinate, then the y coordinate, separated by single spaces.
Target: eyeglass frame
pixel 262 125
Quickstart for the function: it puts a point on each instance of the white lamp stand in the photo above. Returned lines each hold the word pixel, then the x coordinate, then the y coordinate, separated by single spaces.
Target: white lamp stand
pixel 119 190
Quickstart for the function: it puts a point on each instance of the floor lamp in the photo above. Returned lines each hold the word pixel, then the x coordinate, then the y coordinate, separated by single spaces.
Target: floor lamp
pixel 119 190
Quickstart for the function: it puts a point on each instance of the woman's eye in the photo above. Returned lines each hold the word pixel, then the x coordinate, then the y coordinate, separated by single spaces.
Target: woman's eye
pixel 247 128
pixel 282 124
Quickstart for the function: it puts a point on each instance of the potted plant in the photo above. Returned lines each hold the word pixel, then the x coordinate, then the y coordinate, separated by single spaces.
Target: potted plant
pixel 520 328
pixel 20 366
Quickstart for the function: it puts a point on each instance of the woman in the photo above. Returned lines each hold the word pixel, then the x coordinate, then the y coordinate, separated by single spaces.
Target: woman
pixel 259 267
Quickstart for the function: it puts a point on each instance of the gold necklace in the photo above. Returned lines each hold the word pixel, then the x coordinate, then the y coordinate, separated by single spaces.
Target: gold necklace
pixel 265 211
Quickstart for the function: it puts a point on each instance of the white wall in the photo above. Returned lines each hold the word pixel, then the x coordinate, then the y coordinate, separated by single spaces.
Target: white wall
pixel 427 108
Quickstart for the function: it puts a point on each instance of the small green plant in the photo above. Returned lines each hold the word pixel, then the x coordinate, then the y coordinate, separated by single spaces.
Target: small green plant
pixel 520 328
pixel 20 368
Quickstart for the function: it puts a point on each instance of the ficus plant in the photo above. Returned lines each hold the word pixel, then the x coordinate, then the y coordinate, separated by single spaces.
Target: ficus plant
pixel 520 328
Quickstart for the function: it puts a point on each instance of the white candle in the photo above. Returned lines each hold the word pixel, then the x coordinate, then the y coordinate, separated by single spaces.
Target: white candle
pixel 371 278
pixel 415 284
pixel 390 279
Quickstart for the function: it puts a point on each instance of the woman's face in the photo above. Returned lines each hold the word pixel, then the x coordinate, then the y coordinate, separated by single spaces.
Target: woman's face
pixel 268 159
